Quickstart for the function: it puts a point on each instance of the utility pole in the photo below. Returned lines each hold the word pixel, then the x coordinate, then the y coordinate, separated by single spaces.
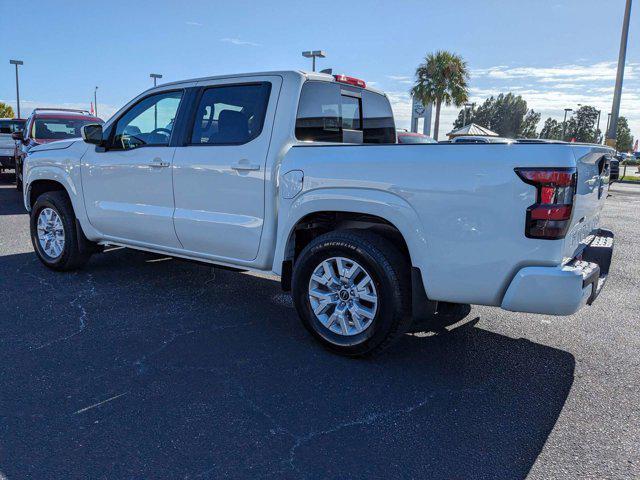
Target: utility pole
pixel 615 108
pixel 597 140
pixel 95 101
pixel 564 122
pixel 16 63
pixel 607 129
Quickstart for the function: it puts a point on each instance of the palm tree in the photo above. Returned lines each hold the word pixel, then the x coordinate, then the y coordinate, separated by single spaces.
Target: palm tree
pixel 442 78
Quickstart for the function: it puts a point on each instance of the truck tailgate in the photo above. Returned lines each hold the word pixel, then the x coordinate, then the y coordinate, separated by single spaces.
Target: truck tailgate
pixel 592 165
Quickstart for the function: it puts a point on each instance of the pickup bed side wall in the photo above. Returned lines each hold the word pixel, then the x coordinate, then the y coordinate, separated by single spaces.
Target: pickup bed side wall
pixel 460 208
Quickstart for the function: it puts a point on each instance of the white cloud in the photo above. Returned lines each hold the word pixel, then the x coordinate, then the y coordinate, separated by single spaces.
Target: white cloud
pixel 564 73
pixel 237 41
pixel 194 24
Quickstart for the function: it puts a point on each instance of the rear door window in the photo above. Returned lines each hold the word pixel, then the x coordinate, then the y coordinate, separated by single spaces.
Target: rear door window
pixel 230 114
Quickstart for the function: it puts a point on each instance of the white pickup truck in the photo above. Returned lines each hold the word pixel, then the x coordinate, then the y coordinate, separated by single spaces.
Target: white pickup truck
pixel 299 174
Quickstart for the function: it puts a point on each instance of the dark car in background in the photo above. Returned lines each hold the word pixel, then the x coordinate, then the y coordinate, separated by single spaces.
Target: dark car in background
pixel 46 125
pixel 9 126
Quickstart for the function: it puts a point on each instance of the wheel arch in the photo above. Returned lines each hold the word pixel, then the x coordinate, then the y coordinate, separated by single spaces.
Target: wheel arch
pixel 42 179
pixel 389 214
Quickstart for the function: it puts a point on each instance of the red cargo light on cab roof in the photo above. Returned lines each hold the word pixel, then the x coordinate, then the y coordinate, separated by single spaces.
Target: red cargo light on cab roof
pixel 350 80
pixel 550 216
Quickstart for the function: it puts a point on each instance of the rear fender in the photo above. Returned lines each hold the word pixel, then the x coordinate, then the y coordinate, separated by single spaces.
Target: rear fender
pixel 385 205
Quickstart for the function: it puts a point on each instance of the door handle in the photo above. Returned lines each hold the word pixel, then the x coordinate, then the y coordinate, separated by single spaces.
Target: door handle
pixel 158 163
pixel 245 165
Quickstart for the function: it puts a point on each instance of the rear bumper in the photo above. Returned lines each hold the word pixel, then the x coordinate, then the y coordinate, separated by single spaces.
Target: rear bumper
pixel 562 290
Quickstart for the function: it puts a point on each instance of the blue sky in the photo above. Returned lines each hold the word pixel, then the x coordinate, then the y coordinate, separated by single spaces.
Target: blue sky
pixel 555 53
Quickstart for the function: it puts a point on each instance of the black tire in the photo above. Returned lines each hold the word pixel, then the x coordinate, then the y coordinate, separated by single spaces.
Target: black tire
pixel 390 273
pixel 72 256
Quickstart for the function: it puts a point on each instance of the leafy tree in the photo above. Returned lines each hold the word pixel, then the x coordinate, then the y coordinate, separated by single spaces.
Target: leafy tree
pixel 529 124
pixel 506 114
pixel 552 129
pixel 6 111
pixel 442 78
pixel 582 125
pixel 624 139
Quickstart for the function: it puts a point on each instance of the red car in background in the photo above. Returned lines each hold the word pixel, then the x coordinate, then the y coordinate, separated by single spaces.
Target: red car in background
pixel 412 137
pixel 46 125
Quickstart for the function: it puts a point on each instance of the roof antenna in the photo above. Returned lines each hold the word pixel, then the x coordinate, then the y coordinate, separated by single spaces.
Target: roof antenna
pixel 328 71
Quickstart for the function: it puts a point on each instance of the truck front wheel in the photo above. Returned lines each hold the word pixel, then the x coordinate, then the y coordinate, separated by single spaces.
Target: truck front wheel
pixel 54 234
pixel 352 290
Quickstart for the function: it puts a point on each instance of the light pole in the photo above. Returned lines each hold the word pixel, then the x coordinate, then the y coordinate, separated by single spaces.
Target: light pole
pixel 608 123
pixel 598 128
pixel 615 109
pixel 564 122
pixel 16 63
pixel 155 77
pixel 312 54
pixel 464 112
pixel 95 101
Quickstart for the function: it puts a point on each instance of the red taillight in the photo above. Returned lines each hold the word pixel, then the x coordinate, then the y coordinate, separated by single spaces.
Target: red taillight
pixel 550 216
pixel 350 80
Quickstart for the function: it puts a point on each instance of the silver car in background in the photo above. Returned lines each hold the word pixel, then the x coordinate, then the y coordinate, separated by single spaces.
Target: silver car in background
pixel 8 126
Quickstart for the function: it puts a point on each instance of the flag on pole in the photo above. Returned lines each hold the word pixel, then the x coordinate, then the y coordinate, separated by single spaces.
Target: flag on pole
pixel 91 110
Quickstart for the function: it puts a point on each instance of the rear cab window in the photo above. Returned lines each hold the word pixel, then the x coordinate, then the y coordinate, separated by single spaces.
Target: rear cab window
pixel 333 112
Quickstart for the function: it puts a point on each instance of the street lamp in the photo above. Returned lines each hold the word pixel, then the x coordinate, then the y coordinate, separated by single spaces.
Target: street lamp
pixel 95 101
pixel 564 122
pixel 16 63
pixel 155 77
pixel 312 54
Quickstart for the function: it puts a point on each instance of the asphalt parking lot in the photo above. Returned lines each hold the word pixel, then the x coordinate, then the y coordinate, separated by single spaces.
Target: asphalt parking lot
pixel 145 367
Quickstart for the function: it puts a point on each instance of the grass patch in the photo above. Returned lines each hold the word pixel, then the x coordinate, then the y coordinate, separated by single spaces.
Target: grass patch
pixel 630 178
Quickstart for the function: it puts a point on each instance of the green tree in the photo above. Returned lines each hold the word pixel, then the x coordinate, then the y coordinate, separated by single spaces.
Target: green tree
pixel 551 130
pixel 442 78
pixel 506 114
pixel 529 125
pixel 624 139
pixel 582 125
pixel 6 111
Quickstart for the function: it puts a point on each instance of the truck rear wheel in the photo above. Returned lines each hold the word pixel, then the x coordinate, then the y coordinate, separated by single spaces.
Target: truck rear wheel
pixel 54 234
pixel 352 291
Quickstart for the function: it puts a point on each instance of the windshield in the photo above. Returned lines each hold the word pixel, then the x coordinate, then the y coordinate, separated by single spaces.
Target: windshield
pixel 58 128
pixel 11 126
pixel 415 139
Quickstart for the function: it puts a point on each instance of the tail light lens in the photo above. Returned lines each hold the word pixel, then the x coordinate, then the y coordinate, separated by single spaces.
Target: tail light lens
pixel 550 216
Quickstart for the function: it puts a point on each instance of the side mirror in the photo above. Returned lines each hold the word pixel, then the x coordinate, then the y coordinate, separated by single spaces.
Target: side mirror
pixel 18 136
pixel 92 133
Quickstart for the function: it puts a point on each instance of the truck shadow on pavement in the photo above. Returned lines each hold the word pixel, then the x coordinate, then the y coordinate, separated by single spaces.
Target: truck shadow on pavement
pixel 144 367
pixel 10 198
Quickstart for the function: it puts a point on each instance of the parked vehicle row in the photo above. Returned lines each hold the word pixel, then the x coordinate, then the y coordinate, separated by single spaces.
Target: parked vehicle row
pixel 46 125
pixel 9 126
pixel 300 174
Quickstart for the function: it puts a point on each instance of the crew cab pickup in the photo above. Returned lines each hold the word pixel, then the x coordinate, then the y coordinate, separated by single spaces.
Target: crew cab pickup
pixel 299 174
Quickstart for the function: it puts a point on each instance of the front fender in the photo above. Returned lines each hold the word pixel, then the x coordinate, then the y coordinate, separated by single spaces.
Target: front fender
pixel 385 205
pixel 58 165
